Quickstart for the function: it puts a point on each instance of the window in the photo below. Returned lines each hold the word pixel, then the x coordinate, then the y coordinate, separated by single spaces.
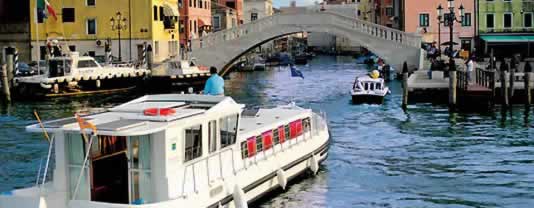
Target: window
pixel 140 168
pixel 244 150
pixel 182 26
pixel 389 11
pixel 72 48
pixel 68 14
pixel 212 136
pixel 423 20
pixel 259 144
pixel 195 3
pixel 190 3
pixel 228 130
pixel 466 21
pixel 193 143
pixel 287 130
pixel 490 20
pixel 507 20
pixel 527 20
pixel 90 2
pixel 91 53
pixel 195 27
pixel 91 26
pixel 155 13
pixel 216 22
pixel 180 3
pixel 306 124
pixel 253 16
pixel 200 4
pixel 276 137
pixel 161 14
pixel 87 64
pixel 190 26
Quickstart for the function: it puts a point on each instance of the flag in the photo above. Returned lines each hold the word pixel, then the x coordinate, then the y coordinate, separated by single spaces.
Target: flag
pixel 41 4
pixel 85 124
pixel 296 73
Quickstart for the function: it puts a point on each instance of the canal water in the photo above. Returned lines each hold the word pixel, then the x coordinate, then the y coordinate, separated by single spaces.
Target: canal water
pixel 380 156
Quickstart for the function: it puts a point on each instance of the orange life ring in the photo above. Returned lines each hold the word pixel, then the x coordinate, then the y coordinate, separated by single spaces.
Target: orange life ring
pixel 159 112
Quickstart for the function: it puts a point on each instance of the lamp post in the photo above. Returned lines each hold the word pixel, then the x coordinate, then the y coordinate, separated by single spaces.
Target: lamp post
pixel 440 9
pixel 118 24
pixel 448 20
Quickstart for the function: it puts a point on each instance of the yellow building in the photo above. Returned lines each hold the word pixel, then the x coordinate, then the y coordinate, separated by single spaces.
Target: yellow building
pixel 86 26
pixel 365 12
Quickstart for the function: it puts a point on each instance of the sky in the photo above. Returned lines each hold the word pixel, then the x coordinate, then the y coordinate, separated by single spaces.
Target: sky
pixel 279 3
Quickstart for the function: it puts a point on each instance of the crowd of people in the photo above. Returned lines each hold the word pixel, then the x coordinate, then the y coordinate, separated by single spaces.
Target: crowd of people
pixel 433 54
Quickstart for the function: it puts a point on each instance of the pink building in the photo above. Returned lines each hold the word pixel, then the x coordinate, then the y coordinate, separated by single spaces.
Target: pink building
pixel 421 17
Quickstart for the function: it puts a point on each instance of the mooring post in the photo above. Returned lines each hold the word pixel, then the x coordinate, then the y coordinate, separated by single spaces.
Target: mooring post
pixel 452 84
pixel 149 57
pixel 528 93
pixel 10 68
pixel 513 67
pixel 5 84
pixel 405 86
pixel 504 84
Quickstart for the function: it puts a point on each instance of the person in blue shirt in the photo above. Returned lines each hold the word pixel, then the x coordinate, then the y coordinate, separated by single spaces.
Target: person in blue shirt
pixel 215 84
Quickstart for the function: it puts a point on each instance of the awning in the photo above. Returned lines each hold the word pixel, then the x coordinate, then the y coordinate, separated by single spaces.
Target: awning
pixel 170 11
pixel 508 38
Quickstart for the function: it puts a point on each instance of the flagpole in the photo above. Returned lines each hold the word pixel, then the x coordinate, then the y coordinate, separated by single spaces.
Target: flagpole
pixel 37 38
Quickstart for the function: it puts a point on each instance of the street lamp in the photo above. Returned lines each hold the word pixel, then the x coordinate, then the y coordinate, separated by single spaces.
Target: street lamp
pixel 440 15
pixel 448 20
pixel 118 24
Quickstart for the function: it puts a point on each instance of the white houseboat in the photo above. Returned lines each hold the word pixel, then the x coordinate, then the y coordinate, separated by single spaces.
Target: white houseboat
pixel 168 151
pixel 74 74
pixel 369 89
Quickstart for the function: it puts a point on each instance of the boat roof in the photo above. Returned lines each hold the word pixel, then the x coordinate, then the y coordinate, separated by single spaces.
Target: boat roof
pixel 255 122
pixel 129 119
pixel 369 79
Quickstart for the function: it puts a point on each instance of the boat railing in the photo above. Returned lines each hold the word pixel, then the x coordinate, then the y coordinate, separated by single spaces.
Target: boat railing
pixel 220 173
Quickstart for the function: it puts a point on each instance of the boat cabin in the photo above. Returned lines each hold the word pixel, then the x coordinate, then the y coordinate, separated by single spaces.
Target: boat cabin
pixel 71 65
pixel 368 84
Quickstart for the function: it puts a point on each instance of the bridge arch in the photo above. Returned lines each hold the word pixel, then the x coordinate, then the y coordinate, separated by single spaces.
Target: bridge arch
pixel 222 48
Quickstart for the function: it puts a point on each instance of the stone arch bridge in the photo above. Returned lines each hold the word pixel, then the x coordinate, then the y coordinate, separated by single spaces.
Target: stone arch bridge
pixel 221 49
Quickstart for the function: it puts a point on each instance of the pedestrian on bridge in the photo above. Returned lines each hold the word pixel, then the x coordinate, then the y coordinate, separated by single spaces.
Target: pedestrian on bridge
pixel 215 84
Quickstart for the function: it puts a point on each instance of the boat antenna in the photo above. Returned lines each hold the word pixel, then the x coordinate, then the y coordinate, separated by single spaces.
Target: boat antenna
pixel 45 133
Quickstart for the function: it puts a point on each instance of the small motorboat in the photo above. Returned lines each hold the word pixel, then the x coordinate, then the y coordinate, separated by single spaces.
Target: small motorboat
pixel 369 89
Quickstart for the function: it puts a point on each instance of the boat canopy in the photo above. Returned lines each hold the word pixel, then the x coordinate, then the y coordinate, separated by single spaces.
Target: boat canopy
pixel 146 115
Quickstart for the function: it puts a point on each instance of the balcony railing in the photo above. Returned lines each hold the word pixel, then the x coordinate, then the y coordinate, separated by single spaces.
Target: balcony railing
pixel 508 30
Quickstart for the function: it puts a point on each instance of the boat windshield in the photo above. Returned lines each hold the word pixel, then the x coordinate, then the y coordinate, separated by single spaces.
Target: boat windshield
pixel 58 68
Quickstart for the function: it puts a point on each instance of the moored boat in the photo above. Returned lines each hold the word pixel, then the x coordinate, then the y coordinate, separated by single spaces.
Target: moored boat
pixel 163 151
pixel 74 74
pixel 369 89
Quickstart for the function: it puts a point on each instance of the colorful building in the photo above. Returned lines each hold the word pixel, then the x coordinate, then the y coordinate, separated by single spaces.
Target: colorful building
pixel 14 29
pixel 195 20
pixel 257 9
pixel 506 26
pixel 421 17
pixel 86 26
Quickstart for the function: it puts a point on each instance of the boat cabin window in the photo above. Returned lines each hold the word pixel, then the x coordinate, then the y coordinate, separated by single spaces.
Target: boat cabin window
pixel 379 86
pixel 228 129
pixel 276 137
pixel 58 68
pixel 140 171
pixel 75 153
pixel 193 143
pixel 87 64
pixel 212 134
pixel 306 124
pixel 259 144
pixel 366 86
pixel 372 86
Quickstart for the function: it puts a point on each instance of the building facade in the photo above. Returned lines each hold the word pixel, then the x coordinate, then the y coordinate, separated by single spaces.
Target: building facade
pixel 506 26
pixel 421 17
pixel 227 14
pixel 195 20
pixel 86 27
pixel 256 9
pixel 14 29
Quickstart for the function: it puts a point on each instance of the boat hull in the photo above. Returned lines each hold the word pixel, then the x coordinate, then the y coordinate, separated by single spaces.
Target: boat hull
pixel 367 99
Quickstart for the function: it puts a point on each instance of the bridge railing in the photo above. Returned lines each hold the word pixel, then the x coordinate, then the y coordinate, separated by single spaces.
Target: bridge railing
pixel 261 25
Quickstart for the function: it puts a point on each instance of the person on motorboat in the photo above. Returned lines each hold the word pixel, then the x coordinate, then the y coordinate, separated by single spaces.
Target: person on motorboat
pixel 215 84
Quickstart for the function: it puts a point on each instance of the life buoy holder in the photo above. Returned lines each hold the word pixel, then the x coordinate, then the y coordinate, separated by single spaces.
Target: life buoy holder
pixel 159 112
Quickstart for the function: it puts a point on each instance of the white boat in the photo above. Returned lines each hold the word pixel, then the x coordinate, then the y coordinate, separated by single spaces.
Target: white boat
pixel 168 151
pixel 74 73
pixel 369 89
